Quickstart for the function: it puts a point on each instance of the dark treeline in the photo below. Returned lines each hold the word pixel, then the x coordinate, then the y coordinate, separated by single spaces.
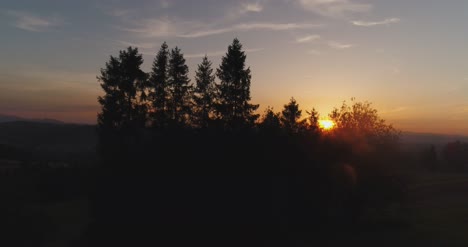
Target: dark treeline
pixel 452 157
pixel 193 161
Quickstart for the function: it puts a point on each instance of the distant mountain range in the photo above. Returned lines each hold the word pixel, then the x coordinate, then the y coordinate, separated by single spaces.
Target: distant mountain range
pixel 10 118
pixel 18 131
pixel 45 139
pixel 413 139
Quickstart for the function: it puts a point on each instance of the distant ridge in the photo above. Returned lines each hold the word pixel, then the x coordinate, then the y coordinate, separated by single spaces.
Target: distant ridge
pixel 413 138
pixel 46 138
pixel 11 118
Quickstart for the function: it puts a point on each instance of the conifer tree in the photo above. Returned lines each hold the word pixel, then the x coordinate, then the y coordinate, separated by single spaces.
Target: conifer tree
pixel 204 94
pixel 233 91
pixel 158 83
pixel 290 116
pixel 179 105
pixel 123 83
pixel 313 119
pixel 270 121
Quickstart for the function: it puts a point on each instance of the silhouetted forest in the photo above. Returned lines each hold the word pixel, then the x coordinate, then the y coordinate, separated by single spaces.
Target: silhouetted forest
pixel 176 162
pixel 183 161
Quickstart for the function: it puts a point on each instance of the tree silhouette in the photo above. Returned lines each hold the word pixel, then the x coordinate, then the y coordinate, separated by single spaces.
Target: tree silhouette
pixel 123 83
pixel 361 121
pixel 233 105
pixel 290 116
pixel 270 121
pixel 313 119
pixel 204 94
pixel 279 193
pixel 158 83
pixel 179 89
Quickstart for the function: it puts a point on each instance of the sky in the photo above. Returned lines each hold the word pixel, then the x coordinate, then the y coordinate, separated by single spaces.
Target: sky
pixel 408 57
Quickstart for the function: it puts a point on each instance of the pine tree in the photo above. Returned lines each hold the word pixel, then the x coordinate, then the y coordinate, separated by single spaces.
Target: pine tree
pixel 313 119
pixel 158 83
pixel 233 92
pixel 179 105
pixel 204 94
pixel 123 83
pixel 271 121
pixel 290 116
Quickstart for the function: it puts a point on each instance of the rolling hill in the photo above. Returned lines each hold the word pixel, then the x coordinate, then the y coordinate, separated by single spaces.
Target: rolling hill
pixel 11 118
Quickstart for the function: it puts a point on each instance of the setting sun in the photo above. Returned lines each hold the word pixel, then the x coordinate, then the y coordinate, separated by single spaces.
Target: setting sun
pixel 326 124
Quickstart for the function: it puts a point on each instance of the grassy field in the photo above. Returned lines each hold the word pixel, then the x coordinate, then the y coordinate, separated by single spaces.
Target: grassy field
pixel 439 208
pixel 436 214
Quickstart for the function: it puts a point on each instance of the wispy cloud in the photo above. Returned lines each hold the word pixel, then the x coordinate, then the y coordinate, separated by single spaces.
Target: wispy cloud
pixel 162 27
pixel 339 46
pixel 170 27
pixel 118 12
pixel 307 38
pixel 38 77
pixel 460 109
pixel 218 53
pixel 249 27
pixel 252 7
pixel 209 54
pixel 30 22
pixel 396 110
pixel 253 50
pixel 165 4
pixel 376 23
pixel 334 8
pixel 241 9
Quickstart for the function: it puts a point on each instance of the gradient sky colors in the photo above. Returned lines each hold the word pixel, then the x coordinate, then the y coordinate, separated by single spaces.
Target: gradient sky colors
pixel 408 57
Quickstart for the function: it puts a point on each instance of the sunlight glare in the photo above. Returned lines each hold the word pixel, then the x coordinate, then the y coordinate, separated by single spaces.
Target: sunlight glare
pixel 326 124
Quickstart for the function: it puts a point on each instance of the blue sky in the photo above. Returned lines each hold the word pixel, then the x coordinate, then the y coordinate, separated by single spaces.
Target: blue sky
pixel 408 57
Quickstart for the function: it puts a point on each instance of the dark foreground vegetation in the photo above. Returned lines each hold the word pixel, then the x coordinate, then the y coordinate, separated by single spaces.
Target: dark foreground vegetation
pixel 179 164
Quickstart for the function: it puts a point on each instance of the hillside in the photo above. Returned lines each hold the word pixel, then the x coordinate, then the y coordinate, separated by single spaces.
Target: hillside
pixel 64 140
pixel 416 141
pixel 11 118
pixel 53 141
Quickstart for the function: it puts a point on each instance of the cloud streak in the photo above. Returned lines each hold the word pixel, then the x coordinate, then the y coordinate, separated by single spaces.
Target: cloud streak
pixel 396 110
pixel 165 27
pixel 209 54
pixel 339 46
pixel 252 7
pixel 376 23
pixel 244 8
pixel 334 8
pixel 29 22
pixel 155 27
pixel 249 27
pixel 308 38
pixel 165 4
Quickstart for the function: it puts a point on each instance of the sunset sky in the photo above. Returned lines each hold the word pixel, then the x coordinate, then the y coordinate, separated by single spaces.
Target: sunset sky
pixel 408 57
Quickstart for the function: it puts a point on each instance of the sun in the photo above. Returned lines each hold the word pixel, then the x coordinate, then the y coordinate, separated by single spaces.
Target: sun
pixel 326 124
